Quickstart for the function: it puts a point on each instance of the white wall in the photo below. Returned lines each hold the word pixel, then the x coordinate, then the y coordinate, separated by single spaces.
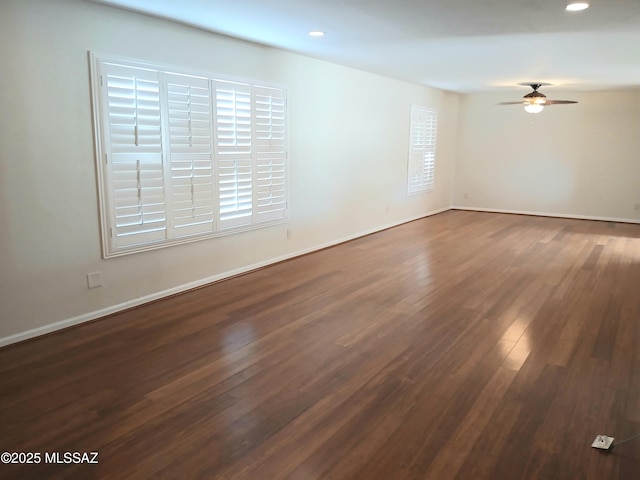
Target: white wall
pixel 348 152
pixel 570 160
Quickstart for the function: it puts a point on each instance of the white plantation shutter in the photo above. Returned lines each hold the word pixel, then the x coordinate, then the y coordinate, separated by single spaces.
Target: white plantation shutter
pixel 134 153
pixel 234 153
pixel 191 155
pixel 270 153
pixel 422 150
pixel 182 157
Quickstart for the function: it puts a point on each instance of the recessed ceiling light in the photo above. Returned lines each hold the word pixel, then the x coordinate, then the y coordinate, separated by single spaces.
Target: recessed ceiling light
pixel 316 33
pixel 577 6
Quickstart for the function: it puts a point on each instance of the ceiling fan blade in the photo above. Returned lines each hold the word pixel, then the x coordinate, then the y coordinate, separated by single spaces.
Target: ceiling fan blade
pixel 558 102
pixel 535 99
pixel 544 103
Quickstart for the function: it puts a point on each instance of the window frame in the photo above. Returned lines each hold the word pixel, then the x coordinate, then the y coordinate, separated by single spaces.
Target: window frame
pixel 277 182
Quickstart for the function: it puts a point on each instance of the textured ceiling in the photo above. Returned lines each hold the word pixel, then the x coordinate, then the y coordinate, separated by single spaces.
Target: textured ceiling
pixel 457 45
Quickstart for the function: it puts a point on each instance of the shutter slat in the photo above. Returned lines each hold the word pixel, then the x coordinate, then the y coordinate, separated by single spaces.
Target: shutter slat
pixel 269 106
pixel 191 147
pixel 133 128
pixel 234 152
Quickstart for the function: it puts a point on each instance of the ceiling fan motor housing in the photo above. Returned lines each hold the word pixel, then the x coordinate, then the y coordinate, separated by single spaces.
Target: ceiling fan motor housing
pixel 535 97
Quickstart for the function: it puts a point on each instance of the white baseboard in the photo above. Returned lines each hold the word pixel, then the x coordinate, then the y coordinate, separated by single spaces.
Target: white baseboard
pixel 52 327
pixel 546 214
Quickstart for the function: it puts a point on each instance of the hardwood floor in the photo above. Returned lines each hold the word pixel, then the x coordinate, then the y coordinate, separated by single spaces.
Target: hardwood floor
pixel 465 345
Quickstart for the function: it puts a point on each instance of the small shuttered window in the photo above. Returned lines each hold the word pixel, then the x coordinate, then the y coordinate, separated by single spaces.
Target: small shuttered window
pixel 183 157
pixel 422 150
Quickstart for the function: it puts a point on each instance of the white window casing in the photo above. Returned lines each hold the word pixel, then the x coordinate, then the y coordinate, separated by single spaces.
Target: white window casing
pixel 183 157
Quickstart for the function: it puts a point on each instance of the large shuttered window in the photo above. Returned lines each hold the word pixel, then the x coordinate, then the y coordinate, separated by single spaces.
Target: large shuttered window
pixel 183 157
pixel 422 150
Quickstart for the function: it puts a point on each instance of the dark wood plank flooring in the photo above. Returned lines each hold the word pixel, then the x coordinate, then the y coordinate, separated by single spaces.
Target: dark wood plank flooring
pixel 466 345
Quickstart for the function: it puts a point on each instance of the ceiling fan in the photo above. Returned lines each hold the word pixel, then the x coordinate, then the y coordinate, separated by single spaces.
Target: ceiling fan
pixel 534 102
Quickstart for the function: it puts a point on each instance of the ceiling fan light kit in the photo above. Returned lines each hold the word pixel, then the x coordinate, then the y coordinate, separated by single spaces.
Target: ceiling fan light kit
pixel 535 101
pixel 533 107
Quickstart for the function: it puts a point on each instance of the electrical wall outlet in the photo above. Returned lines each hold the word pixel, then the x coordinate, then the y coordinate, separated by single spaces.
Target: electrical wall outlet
pixel 603 442
pixel 288 234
